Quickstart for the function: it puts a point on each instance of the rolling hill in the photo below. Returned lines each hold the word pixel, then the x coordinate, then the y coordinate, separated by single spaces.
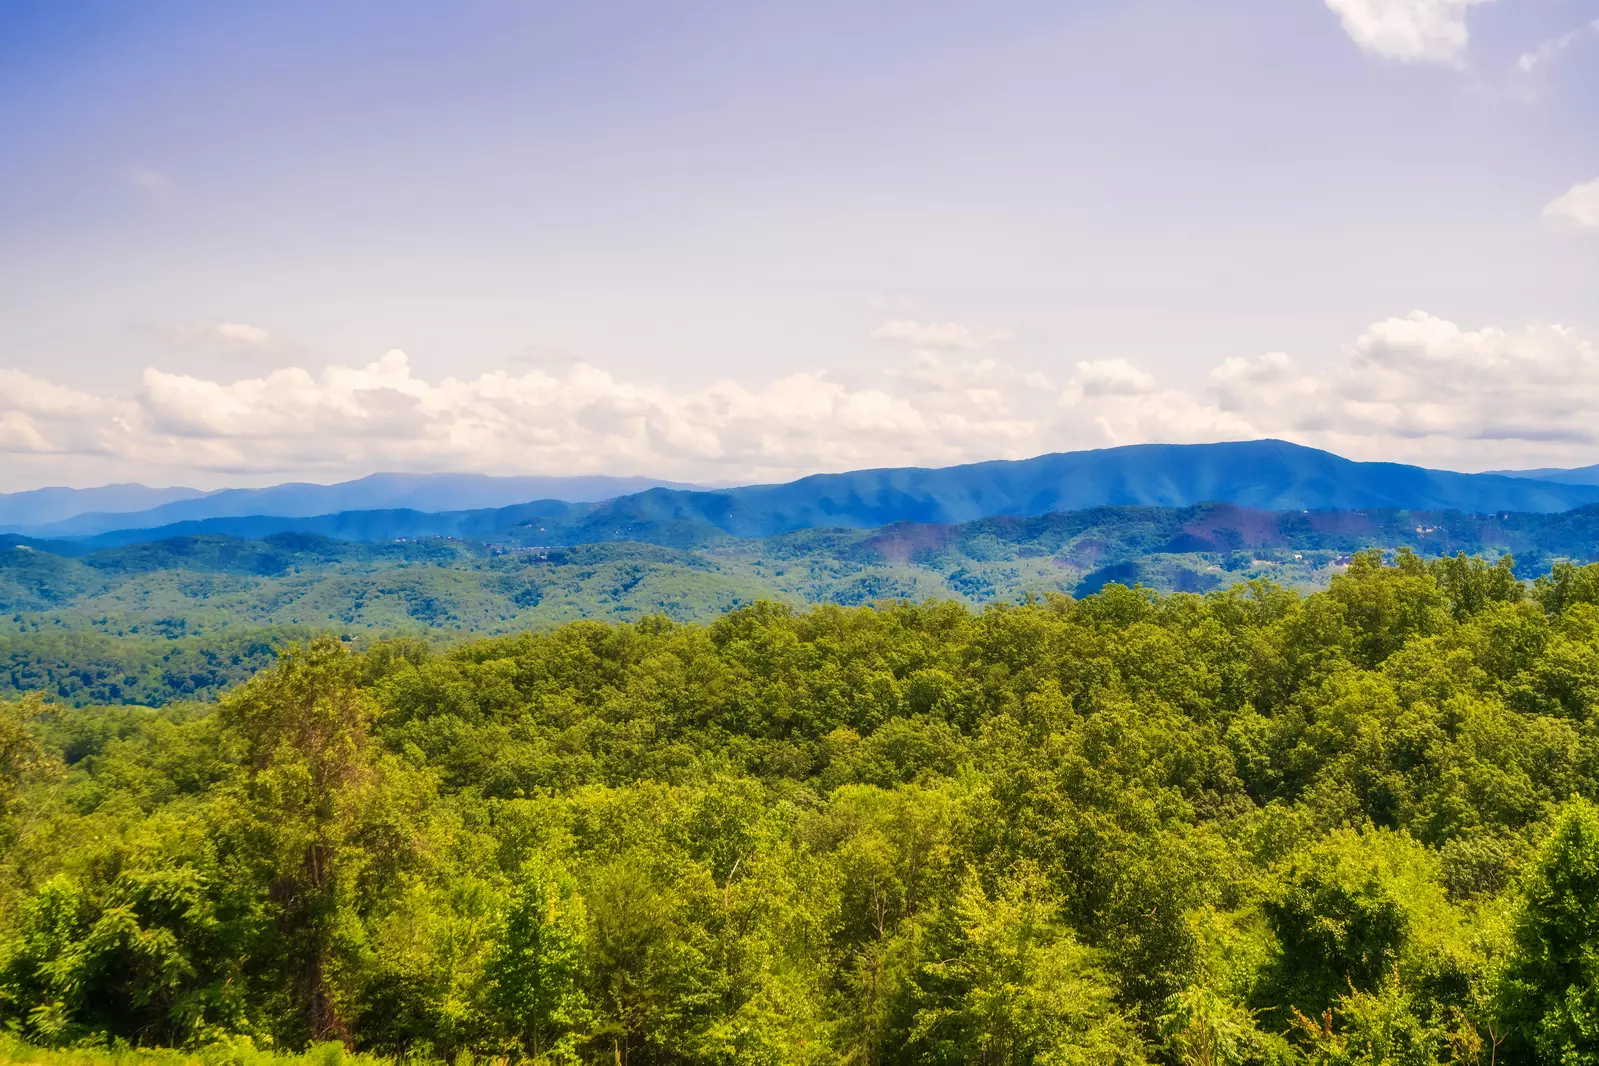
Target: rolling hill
pixel 184 616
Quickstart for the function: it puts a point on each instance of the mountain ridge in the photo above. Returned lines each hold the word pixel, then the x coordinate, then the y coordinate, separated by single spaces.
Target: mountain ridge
pixel 55 503
pixel 1576 475
pixel 1265 475
pixel 383 491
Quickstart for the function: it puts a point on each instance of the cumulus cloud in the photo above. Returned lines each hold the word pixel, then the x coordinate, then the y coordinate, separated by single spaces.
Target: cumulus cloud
pixel 930 409
pixel 1416 388
pixel 40 418
pixel 1109 377
pixel 1411 31
pixel 28 395
pixel 1577 208
pixel 1422 388
pixel 938 336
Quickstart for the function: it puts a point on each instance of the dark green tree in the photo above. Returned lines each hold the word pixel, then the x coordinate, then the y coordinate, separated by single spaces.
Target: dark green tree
pixel 321 820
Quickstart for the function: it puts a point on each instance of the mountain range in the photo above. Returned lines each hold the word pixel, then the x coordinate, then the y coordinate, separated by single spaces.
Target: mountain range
pixel 59 512
pixel 42 507
pixel 1267 475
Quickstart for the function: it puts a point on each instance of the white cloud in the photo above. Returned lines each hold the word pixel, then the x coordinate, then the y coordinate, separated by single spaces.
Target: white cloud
pixel 235 337
pixel 576 418
pixel 1413 389
pixel 571 419
pixel 1421 388
pixel 245 335
pixel 1577 208
pixel 1110 377
pixel 20 436
pixel 29 395
pixel 38 417
pixel 936 336
pixel 1548 50
pixel 1411 31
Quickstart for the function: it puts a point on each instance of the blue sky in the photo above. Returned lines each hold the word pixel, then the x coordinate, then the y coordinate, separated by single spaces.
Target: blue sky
pixel 247 242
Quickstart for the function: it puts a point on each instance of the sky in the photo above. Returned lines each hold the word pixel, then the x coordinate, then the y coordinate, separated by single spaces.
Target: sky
pixel 745 241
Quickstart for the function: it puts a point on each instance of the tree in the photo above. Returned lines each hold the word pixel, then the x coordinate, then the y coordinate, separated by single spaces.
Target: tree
pixel 1471 584
pixel 1379 1027
pixel 1353 907
pixel 1566 585
pixel 1011 987
pixel 1387 605
pixel 1204 1028
pixel 311 817
pixel 537 968
pixel 22 758
pixel 1551 984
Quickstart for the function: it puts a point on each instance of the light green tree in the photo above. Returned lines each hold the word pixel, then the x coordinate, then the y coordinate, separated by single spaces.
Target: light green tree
pixel 1011 987
pixel 537 967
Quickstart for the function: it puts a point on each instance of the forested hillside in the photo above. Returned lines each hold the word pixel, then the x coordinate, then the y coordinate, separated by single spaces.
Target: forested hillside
pixel 184 617
pixel 1354 826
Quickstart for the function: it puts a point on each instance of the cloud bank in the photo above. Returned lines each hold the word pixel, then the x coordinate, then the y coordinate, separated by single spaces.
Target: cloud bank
pixel 1415 389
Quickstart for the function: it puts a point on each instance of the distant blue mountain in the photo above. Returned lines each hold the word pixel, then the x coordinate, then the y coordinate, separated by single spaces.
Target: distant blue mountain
pixel 37 507
pixel 1581 475
pixel 378 525
pixel 416 492
pixel 1267 475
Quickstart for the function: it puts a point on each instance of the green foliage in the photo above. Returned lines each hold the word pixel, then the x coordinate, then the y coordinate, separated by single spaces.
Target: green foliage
pixel 1379 1027
pixel 1204 1028
pixel 22 757
pixel 1551 984
pixel 188 617
pixel 313 815
pixel 537 967
pixel 14 1052
pixel 163 666
pixel 1011 986
pixel 1247 827
pixel 1352 908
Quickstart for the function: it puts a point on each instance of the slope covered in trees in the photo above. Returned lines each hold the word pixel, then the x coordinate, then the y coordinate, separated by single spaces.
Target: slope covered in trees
pixel 1250 827
pixel 177 618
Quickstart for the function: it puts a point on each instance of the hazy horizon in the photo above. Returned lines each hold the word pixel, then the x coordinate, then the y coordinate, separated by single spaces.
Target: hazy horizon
pixel 248 244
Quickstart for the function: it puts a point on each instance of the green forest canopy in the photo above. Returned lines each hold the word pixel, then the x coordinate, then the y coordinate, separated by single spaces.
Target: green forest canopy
pixel 1247 827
